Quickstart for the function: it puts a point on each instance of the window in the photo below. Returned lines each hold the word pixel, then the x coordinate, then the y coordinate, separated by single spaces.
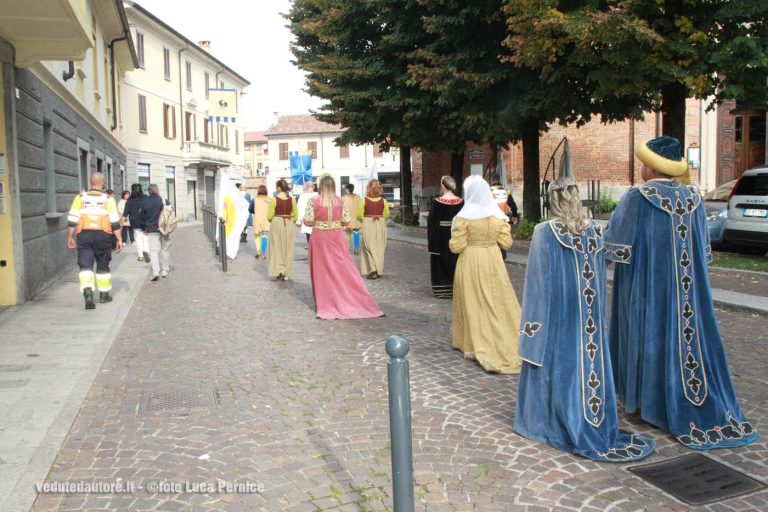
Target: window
pixel 84 174
pixel 167 64
pixel 170 185
pixel 223 135
pixel 95 57
pixel 189 76
pixel 237 142
pixel 266 151
pixel 169 121
pixel 206 130
pixel 312 146
pixel 207 84
pixel 142 113
pixel 222 85
pixel 377 150
pixel 343 151
pixel 283 151
pixel 190 130
pixel 140 48
pixel 143 175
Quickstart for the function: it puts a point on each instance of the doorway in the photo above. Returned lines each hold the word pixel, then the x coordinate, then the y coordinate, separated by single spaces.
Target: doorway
pixel 192 198
pixel 748 140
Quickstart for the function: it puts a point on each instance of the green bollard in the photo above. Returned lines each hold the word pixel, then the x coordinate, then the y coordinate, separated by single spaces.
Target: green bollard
pixel 223 243
pixel 400 424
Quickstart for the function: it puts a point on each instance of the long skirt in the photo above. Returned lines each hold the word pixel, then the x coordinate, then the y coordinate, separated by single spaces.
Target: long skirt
pixel 486 313
pixel 337 287
pixel 374 245
pixel 282 243
pixel 442 269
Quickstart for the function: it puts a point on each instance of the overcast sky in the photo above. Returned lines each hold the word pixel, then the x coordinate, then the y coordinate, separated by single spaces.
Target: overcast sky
pixel 250 37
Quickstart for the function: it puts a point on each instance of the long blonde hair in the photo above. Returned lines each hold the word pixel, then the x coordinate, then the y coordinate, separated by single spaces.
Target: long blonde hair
pixel 565 204
pixel 328 191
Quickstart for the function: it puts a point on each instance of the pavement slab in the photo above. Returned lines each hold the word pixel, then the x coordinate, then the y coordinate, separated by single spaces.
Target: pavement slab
pixel 300 415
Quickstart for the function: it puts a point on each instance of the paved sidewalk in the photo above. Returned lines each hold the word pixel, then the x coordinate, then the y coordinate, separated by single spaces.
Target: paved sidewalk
pixel 732 281
pixel 50 351
pixel 299 405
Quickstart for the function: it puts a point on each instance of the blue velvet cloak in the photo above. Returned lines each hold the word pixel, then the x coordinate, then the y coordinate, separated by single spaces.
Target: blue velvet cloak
pixel 566 396
pixel 666 350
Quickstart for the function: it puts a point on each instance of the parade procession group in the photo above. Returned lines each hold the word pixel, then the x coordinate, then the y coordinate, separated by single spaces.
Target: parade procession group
pixel 659 352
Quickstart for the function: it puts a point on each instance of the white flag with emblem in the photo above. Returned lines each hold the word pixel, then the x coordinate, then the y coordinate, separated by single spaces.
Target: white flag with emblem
pixel 233 208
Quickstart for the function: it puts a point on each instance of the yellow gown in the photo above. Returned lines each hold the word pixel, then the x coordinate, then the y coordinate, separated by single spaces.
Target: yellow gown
pixel 486 313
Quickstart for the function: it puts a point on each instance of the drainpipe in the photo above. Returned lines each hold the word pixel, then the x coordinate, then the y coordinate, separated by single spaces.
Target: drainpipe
pixel 67 75
pixel 181 100
pixel 112 75
pixel 632 152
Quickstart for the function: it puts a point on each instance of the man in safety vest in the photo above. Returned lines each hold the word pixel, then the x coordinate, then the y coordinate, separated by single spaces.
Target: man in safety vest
pixel 93 216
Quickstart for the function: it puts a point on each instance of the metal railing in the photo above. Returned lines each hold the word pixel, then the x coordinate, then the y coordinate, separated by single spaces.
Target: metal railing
pixel 213 227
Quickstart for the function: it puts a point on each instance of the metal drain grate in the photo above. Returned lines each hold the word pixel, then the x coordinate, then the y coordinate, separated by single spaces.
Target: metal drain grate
pixel 697 479
pixel 178 401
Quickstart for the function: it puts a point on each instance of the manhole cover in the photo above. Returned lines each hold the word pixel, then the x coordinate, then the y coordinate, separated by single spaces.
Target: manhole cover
pixel 697 479
pixel 178 401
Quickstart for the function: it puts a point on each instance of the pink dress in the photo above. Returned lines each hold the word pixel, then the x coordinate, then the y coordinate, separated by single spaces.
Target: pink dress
pixel 337 287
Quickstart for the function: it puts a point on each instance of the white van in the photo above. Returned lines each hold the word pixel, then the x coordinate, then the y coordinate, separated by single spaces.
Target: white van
pixel 747 222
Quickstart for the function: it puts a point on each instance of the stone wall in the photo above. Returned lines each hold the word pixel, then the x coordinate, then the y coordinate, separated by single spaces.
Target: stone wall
pixel 46 256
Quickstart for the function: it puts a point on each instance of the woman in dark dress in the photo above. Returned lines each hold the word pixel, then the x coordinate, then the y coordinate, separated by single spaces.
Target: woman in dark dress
pixel 442 261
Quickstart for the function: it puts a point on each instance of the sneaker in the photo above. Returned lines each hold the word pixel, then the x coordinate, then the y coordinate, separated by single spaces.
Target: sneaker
pixel 105 297
pixel 141 259
pixel 146 256
pixel 155 278
pixel 88 295
pixel 163 274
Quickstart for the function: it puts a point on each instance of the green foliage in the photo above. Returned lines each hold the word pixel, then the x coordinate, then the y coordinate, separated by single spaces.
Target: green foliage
pixel 607 203
pixel 524 229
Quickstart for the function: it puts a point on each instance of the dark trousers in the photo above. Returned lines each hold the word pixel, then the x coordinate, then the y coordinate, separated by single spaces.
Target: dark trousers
pixel 128 232
pixel 94 245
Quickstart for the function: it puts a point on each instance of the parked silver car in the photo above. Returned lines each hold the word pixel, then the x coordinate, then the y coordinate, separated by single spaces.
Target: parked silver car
pixel 716 203
pixel 747 222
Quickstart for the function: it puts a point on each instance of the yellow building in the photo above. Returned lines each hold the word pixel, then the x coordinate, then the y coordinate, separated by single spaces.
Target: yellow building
pixel 172 131
pixel 60 119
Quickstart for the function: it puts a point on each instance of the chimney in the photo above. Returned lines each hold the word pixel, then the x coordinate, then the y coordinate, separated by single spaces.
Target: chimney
pixel 277 118
pixel 205 45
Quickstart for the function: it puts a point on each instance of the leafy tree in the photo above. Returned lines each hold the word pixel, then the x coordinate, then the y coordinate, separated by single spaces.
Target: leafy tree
pixel 646 54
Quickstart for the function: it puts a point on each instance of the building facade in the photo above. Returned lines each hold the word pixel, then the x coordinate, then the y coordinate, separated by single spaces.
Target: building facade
pixel 172 133
pixel 60 120
pixel 256 154
pixel 347 164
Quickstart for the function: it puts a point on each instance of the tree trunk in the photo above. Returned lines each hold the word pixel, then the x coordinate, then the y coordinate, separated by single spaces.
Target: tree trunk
pixel 531 172
pixel 673 98
pixel 457 170
pixel 406 197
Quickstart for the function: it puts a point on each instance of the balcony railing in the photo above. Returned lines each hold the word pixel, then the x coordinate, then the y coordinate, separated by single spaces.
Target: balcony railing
pixel 196 153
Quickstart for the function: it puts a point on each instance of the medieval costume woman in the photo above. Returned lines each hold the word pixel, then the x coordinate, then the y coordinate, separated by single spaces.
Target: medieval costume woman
pixel 260 210
pixel 282 237
pixel 566 396
pixel 442 262
pixel 485 309
pixel 337 287
pixel 373 212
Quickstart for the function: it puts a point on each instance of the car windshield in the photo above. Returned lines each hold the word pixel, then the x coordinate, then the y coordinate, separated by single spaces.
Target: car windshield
pixel 755 185
pixel 721 193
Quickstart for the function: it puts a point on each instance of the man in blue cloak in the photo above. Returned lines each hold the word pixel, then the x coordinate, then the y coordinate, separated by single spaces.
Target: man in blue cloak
pixel 666 350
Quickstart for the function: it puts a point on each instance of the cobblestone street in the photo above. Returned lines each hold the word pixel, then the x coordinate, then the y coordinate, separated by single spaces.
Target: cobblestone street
pixel 300 405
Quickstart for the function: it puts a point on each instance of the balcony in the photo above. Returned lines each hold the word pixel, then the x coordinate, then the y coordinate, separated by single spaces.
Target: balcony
pixel 46 30
pixel 203 154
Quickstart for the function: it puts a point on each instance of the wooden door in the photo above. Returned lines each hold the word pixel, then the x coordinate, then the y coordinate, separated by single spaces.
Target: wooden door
pixel 748 141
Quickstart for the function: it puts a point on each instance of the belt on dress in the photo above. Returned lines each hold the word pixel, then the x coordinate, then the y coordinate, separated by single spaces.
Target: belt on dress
pixel 481 243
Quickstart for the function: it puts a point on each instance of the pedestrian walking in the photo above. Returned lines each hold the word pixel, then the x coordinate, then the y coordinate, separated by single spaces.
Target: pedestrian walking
pixel 337 287
pixel 93 217
pixel 247 196
pixel 260 209
pixel 486 313
pixel 126 231
pixel 442 262
pixel 151 208
pixel 308 194
pixel 566 397
pixel 132 215
pixel 373 213
pixel 666 349
pixel 352 230
pixel 165 227
pixel 282 236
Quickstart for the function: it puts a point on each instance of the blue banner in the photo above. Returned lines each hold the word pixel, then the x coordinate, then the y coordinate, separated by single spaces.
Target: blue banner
pixel 301 166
